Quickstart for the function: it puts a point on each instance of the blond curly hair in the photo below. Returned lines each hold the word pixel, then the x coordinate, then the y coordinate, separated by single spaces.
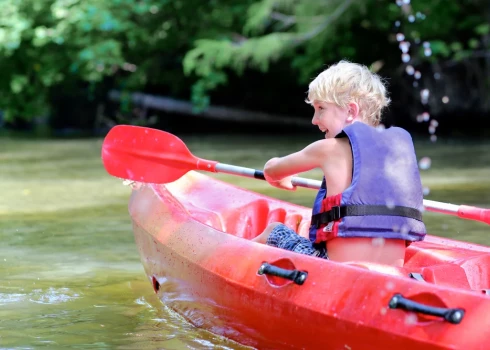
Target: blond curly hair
pixel 346 82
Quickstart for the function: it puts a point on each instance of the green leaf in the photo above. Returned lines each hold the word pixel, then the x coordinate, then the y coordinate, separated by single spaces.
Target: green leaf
pixel 483 29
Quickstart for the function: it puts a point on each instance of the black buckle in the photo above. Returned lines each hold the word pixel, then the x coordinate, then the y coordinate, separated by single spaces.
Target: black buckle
pixel 335 213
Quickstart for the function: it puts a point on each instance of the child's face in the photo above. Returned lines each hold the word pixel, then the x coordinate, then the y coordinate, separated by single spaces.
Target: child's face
pixel 330 118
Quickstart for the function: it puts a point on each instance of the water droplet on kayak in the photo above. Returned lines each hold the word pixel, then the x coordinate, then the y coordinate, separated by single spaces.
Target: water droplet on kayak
pixel 411 319
pixel 383 311
pixel 426 191
pixel 404 230
pixel 424 163
pixel 380 127
pixel 390 285
pixel 396 228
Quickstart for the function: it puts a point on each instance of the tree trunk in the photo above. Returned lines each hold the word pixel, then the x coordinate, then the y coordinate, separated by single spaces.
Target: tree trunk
pixel 172 105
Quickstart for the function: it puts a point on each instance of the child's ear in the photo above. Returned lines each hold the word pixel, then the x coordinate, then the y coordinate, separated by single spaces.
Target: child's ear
pixel 353 111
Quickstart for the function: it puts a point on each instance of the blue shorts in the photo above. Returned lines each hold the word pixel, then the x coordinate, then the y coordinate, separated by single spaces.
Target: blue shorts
pixel 284 237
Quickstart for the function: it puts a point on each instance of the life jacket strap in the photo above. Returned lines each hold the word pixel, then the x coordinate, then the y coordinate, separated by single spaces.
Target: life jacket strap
pixel 338 212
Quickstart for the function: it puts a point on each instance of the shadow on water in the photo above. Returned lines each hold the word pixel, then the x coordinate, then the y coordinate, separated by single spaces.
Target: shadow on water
pixel 71 274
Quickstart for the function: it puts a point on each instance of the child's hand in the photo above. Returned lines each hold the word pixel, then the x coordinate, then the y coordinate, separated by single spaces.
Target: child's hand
pixel 284 184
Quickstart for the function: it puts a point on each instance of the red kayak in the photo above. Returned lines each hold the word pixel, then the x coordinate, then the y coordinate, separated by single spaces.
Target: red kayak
pixel 194 239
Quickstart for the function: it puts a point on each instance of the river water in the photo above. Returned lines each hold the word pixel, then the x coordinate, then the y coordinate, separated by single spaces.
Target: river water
pixel 70 271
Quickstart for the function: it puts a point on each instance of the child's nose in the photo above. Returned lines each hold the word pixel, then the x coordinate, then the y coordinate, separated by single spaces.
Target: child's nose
pixel 314 120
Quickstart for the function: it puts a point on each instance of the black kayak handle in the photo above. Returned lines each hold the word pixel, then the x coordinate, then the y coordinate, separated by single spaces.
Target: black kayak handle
pixel 298 277
pixel 454 315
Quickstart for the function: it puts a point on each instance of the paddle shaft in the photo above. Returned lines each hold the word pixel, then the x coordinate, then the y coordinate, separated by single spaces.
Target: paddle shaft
pixel 461 211
pixel 155 156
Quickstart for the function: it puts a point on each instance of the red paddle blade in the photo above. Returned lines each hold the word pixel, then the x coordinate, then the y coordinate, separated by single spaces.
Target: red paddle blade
pixel 148 155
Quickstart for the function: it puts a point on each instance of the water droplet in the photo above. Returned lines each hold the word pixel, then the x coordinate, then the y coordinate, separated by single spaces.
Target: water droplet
pixel 411 319
pixel 417 74
pixel 424 163
pixel 390 285
pixel 404 46
pixel 405 57
pixel 417 40
pixel 424 96
pixel 432 129
pixel 445 99
pixel 426 44
pixel 426 191
pixel 428 51
pixel 425 116
pixel 434 123
pixel 411 18
pixel 397 23
pixel 400 37
pixel 406 2
pixel 383 311
pixel 410 70
pixel 420 118
pixel 399 2
pixel 415 84
pixel 378 242
pixel 380 127
pixel 390 203
pixel 437 76
pixel 404 230
pixel 396 228
pixel 433 138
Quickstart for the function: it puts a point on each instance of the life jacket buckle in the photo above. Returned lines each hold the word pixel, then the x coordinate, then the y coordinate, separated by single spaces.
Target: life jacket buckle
pixel 335 213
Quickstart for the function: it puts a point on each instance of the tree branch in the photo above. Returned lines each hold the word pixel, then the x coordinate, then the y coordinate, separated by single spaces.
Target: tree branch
pixel 322 26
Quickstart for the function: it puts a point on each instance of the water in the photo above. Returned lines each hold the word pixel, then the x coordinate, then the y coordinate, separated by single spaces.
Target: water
pixel 71 275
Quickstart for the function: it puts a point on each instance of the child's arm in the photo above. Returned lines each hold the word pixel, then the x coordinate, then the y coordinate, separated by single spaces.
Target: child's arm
pixel 279 171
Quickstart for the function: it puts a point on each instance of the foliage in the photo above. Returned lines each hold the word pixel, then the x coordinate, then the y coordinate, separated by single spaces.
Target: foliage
pixel 311 33
pixel 169 45
pixel 135 43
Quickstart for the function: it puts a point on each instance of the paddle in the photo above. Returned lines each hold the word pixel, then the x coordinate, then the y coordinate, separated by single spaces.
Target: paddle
pixel 155 156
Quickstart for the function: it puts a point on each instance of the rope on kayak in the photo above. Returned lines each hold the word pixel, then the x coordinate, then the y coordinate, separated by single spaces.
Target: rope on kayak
pixel 451 315
pixel 298 277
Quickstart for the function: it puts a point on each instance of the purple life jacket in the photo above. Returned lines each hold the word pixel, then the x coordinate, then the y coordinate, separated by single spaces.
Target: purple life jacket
pixel 385 198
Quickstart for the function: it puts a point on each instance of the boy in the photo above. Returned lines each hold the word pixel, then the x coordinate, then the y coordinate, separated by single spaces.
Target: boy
pixel 370 204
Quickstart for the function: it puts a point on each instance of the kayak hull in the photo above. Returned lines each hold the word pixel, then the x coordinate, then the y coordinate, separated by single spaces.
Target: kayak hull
pixel 193 237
